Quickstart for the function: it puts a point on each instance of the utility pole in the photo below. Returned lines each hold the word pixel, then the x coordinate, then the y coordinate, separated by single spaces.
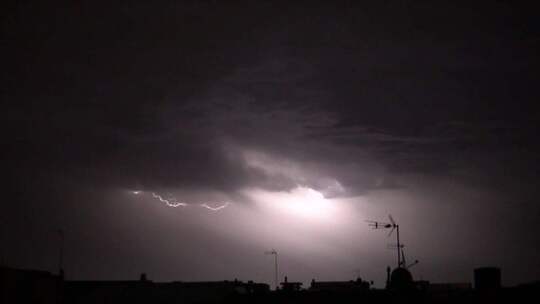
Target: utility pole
pixel 275 254
pixel 61 253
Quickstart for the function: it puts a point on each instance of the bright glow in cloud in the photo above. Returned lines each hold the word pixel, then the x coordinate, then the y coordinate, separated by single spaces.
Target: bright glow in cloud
pixel 270 164
pixel 301 202
pixel 304 175
pixel 331 188
pixel 274 166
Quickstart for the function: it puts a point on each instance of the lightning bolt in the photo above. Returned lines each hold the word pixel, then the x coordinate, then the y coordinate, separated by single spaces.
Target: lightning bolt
pixel 215 208
pixel 173 202
pixel 170 202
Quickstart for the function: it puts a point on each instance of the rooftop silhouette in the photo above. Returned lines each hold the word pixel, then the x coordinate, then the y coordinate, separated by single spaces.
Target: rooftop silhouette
pixel 32 286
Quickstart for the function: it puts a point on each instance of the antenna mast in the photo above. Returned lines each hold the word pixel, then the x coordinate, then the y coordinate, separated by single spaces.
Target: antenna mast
pixel 274 253
pixel 396 227
pixel 393 226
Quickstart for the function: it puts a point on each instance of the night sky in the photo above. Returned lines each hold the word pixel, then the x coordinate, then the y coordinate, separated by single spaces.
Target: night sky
pixel 185 139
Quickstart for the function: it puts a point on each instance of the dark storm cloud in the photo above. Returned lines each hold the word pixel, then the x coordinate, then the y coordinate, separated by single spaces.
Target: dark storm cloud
pixel 94 85
pixel 124 96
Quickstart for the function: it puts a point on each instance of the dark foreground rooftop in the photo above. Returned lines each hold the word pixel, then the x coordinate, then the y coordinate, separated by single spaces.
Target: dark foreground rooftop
pixel 30 286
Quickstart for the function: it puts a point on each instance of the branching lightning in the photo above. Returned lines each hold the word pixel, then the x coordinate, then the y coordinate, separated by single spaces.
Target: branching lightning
pixel 173 202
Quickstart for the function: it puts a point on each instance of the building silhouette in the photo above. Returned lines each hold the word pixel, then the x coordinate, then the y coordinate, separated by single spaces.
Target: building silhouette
pixel 30 286
pixel 287 286
pixel 486 278
pixel 340 286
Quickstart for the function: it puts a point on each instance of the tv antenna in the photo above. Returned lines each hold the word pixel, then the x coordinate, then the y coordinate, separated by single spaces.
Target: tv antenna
pixel 275 254
pixel 392 225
